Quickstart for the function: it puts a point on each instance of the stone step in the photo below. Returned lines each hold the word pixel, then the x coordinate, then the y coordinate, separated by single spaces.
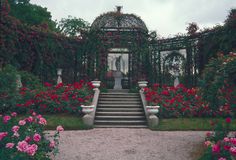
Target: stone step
pixel 118 90
pixel 119 99
pixel 120 105
pixel 119 102
pixel 121 126
pixel 119 109
pixel 119 113
pixel 120 122
pixel 119 96
pixel 119 118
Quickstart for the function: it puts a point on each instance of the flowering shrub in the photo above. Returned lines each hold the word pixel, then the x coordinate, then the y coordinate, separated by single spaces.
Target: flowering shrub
pixel 176 101
pixel 220 144
pixel 25 139
pixel 59 98
pixel 218 84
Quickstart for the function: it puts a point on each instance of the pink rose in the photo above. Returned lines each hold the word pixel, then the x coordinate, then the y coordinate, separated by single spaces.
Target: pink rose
pixel 228 120
pixel 233 140
pixel 22 122
pixel 31 149
pixel 52 144
pixel 6 119
pixel 216 148
pixel 222 158
pixel 13 114
pixel 27 139
pixel 30 119
pixel 226 139
pixel 233 151
pixel 10 145
pixel 15 129
pixel 16 134
pixel 22 146
pixel 36 137
pixel 42 121
pixel 60 128
pixel 3 134
pixel 39 116
pixel 34 114
pixel 207 143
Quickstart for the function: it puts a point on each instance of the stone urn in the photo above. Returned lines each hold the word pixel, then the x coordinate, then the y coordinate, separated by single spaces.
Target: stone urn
pixel 152 110
pixel 87 109
pixel 96 84
pixel 142 84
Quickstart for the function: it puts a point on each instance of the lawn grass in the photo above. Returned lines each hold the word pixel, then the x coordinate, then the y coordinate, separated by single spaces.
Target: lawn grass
pixel 190 124
pixel 68 121
pixel 74 122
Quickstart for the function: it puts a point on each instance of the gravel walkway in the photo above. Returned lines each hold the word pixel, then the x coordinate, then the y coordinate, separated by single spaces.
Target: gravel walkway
pixel 128 144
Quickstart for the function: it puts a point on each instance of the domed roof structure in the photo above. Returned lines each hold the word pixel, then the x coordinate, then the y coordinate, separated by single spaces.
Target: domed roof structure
pixel 118 20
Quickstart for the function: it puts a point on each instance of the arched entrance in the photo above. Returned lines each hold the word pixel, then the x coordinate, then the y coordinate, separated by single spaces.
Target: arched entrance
pixel 122 50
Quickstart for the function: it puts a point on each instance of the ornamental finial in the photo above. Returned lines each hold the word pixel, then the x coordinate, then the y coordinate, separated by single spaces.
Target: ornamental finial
pixel 118 8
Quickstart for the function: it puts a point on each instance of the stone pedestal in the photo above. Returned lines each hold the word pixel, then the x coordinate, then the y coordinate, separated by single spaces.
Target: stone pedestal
pixel 176 82
pixel 117 76
pixel 153 121
pixel 88 120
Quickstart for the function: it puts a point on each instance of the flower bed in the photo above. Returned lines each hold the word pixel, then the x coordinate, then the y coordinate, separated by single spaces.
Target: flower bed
pixel 25 139
pixel 57 99
pixel 220 144
pixel 177 101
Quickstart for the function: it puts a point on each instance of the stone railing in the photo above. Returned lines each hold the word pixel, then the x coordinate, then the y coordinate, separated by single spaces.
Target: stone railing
pixel 89 111
pixel 150 111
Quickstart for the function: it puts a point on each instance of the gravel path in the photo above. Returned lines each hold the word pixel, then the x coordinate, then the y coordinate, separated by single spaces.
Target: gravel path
pixel 128 144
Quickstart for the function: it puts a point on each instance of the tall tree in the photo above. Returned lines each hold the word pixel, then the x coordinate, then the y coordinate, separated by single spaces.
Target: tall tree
pixel 31 14
pixel 72 26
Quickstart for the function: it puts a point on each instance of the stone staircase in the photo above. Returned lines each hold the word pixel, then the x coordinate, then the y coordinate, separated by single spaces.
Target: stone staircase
pixel 118 108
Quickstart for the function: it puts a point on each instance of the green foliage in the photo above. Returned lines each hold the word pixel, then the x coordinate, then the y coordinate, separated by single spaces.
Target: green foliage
pixel 72 26
pixel 218 84
pixel 27 137
pixel 31 14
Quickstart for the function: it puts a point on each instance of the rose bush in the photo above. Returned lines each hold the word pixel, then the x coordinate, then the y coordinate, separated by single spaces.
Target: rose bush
pixel 177 101
pixel 57 99
pixel 220 144
pixel 25 139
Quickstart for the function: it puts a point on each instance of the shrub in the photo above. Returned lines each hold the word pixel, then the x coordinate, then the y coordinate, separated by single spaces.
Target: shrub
pixel 176 101
pixel 25 139
pixel 220 145
pixel 218 84
pixel 60 98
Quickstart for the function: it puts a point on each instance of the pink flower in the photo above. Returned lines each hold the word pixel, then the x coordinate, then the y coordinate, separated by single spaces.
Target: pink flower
pixel 216 148
pixel 222 158
pixel 52 144
pixel 34 114
pixel 13 114
pixel 30 119
pixel 39 116
pixel 16 134
pixel 36 137
pixel 207 143
pixel 226 139
pixel 208 134
pixel 3 134
pixel 10 145
pixel 22 122
pixel 15 129
pixel 60 128
pixel 233 140
pixel 42 121
pixel 27 139
pixel 228 120
pixel 31 149
pixel 6 119
pixel 22 146
pixel 233 151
